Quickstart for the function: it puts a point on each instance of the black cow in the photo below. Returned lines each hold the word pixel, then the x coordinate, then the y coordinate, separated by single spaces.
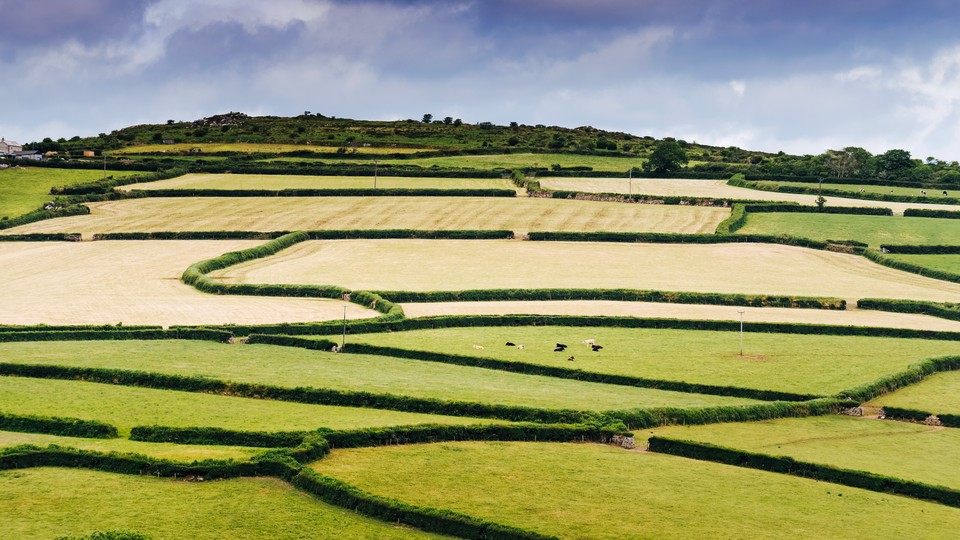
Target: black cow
pixel 596 348
pixel 510 344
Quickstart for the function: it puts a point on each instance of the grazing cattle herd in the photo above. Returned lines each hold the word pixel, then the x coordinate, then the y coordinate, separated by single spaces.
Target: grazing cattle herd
pixel 560 347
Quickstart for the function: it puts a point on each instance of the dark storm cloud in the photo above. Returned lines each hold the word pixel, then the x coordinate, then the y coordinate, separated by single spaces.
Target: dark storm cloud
pixel 42 22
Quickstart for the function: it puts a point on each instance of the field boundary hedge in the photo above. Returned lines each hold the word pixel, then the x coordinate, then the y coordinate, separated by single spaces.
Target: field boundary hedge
pixel 911 375
pixel 914 415
pixel 890 262
pixel 41 237
pixel 944 310
pixel 40 215
pixel 116 333
pixel 734 222
pixel 765 207
pixel 884 197
pixel 668 200
pixel 920 212
pixel 672 238
pixel 344 234
pixel 919 249
pixel 54 425
pixel 333 192
pixel 628 295
pixel 787 465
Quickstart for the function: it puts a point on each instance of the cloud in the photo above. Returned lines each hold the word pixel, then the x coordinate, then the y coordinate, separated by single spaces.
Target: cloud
pixel 738 87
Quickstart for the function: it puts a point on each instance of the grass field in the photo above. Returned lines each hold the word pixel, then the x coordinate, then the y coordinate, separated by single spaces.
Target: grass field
pixel 250 148
pixel 589 491
pixel 610 308
pixel 126 407
pixel 897 449
pixel 794 363
pixel 175 452
pixel 313 213
pixel 873 230
pixel 714 189
pixel 506 161
pixel 938 394
pixel 24 189
pixel 136 282
pixel 291 367
pixel 47 503
pixel 288 181
pixel 421 265
pixel 946 263
pixel 869 189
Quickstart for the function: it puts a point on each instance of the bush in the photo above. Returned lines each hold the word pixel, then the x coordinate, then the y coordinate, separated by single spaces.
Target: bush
pixel 737 219
pixel 39 215
pixel 944 311
pixel 911 249
pixel 879 258
pixel 217 436
pixel 947 214
pixel 67 427
pixel 672 238
pixel 781 207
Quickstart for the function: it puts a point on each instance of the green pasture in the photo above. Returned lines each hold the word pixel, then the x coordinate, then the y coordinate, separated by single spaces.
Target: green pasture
pixel 944 262
pixel 46 503
pixel 899 449
pixel 932 193
pixel 126 407
pixel 938 394
pixel 873 230
pixel 814 364
pixel 293 367
pixel 175 452
pixel 504 161
pixel 24 189
pixel 290 181
pixel 592 491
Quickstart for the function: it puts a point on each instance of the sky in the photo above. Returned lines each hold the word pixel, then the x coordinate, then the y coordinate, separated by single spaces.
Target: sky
pixel 801 76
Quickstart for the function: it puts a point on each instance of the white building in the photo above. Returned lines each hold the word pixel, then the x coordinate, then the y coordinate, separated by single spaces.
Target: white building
pixel 9 147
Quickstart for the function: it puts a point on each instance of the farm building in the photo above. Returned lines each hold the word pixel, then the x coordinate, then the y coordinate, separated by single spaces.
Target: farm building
pixel 9 147
pixel 33 155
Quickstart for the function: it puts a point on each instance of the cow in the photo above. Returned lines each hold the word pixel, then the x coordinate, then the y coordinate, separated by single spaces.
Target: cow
pixel 589 342
pixel 511 344
pixel 478 347
pixel 596 348
pixel 944 193
pixel 521 347
pixel 558 349
pixel 570 359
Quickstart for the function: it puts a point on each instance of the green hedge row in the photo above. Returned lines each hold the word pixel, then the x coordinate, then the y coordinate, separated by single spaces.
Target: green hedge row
pixel 733 223
pixel 465 321
pixel 788 465
pixel 670 200
pixel 41 237
pixel 944 311
pixel 446 522
pixel 946 214
pixel 317 396
pixel 666 416
pixel 593 432
pixel 626 295
pixel 784 207
pixel 57 328
pixel 338 192
pixel 749 178
pixel 116 333
pixel 868 196
pixel 879 258
pixel 493 234
pixel 920 250
pixel 670 238
pixel 67 427
pixel 911 375
pixel 106 186
pixel 548 371
pixel 39 215
pixel 896 413
pixel 189 235
pixel 217 436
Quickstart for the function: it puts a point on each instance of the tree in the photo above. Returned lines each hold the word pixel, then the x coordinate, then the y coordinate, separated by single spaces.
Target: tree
pixel 668 156
pixel 893 162
pixel 427 118
pixel 458 122
pixel 448 120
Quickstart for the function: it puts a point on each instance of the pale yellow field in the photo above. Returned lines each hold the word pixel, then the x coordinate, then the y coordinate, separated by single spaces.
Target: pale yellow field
pixel 853 317
pixel 429 213
pixel 290 181
pixel 136 282
pixel 259 147
pixel 713 189
pixel 423 265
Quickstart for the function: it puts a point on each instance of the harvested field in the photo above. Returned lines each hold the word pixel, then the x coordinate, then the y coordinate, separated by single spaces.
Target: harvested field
pixel 423 265
pixel 849 317
pixel 136 282
pixel 872 230
pixel 313 213
pixel 715 189
pixel 289 181
pixel 126 407
pixel 293 367
pixel 46 503
pixel 171 451
pixel 798 363
pixel 897 449
pixel 592 491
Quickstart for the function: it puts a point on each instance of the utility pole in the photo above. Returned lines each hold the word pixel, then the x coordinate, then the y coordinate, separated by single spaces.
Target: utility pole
pixel 741 332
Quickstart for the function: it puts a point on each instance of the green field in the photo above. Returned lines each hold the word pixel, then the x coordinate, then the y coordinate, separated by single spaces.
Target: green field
pixel 46 503
pixel 947 263
pixel 938 394
pixel 175 452
pixel 289 181
pixel 338 213
pixel 873 230
pixel 786 362
pixel 590 491
pixel 505 161
pixel 292 367
pixel 932 193
pixel 445 265
pixel 126 407
pixel 24 189
pixel 897 449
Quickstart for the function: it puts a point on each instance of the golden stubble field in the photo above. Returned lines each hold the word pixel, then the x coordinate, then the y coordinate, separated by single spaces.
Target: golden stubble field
pixel 136 282
pixel 427 213
pixel 292 181
pixel 424 265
